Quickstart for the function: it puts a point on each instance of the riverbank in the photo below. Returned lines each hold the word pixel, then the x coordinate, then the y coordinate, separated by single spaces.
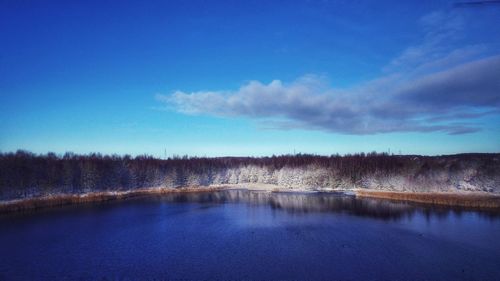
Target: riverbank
pixel 457 199
pixel 469 199
pixel 92 197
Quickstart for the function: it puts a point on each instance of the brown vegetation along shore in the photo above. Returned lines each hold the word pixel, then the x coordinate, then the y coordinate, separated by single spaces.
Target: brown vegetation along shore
pixel 471 200
pixel 73 199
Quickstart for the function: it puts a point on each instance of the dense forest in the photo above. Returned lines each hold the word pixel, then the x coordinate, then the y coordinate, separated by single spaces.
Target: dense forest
pixel 24 174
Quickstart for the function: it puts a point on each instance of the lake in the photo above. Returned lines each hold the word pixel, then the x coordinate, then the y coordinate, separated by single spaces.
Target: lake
pixel 239 234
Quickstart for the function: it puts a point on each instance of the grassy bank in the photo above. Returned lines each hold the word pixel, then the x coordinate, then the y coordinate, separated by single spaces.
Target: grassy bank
pixel 74 199
pixel 471 200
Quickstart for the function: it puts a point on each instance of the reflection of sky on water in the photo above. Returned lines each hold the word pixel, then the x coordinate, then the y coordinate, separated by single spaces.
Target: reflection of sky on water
pixel 239 234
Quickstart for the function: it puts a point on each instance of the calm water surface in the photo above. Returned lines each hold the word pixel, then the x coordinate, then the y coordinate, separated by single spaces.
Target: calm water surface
pixel 250 235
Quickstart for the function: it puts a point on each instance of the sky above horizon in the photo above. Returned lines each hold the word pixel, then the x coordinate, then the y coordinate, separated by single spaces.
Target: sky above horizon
pixel 219 78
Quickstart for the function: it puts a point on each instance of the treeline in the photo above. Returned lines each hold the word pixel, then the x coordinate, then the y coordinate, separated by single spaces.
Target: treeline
pixel 25 174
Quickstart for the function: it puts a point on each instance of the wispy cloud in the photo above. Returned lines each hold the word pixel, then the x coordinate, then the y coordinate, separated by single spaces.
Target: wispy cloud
pixel 429 87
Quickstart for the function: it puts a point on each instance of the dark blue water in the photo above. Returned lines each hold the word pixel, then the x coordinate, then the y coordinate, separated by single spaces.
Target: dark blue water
pixel 250 235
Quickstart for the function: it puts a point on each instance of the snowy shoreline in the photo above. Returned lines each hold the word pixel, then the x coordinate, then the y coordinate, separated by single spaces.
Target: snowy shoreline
pixel 458 199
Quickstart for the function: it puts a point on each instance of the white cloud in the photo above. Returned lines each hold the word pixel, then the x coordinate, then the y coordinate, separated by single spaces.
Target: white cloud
pixel 429 87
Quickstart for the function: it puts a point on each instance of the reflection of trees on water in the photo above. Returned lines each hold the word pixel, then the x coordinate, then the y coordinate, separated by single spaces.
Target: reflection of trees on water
pixel 301 203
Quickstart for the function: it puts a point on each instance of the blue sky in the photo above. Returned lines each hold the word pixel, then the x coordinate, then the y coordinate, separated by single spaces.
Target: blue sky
pixel 214 78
